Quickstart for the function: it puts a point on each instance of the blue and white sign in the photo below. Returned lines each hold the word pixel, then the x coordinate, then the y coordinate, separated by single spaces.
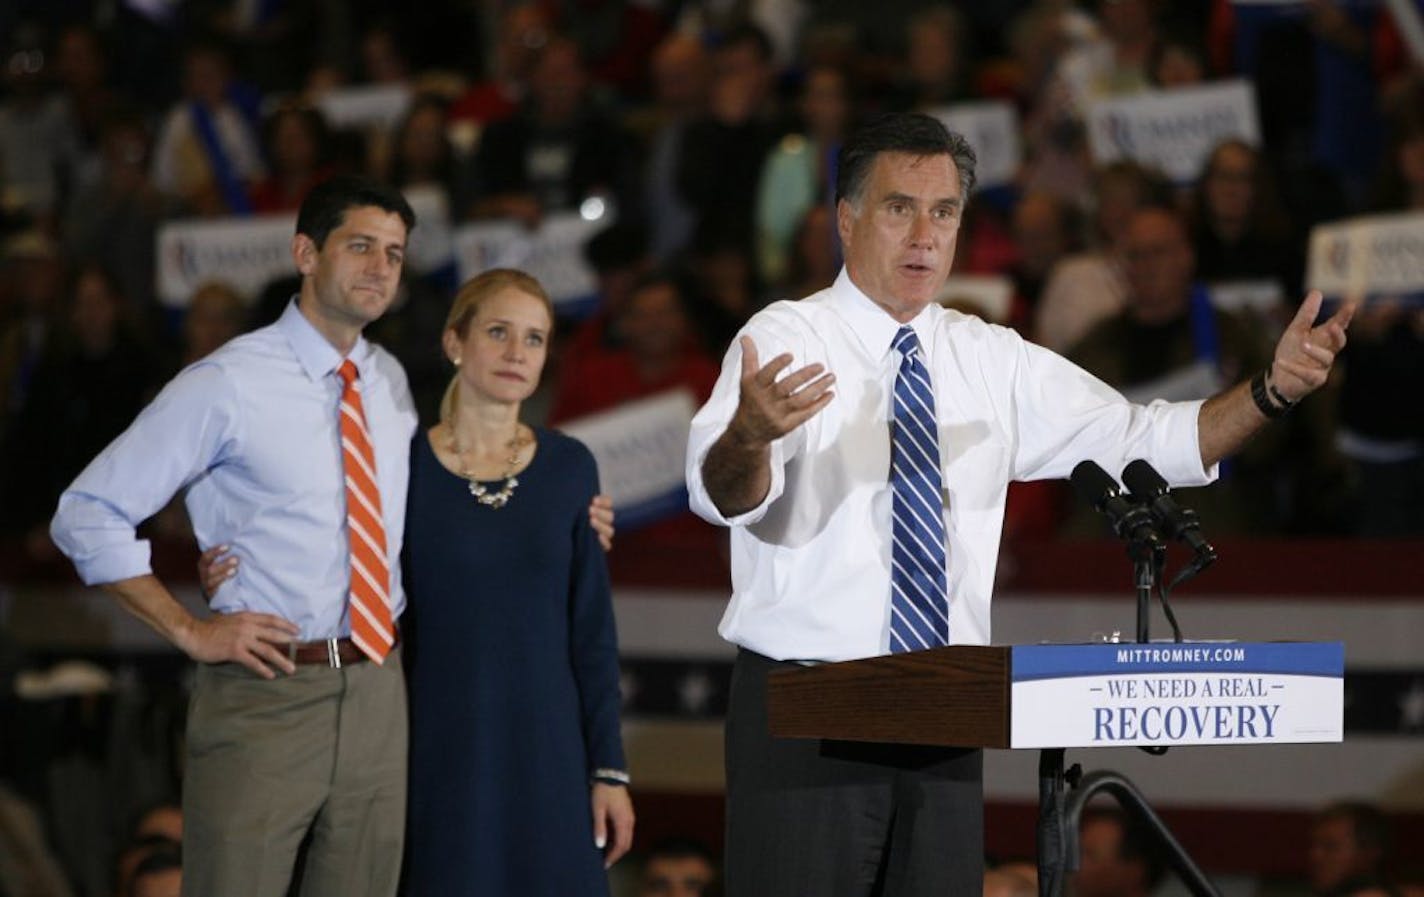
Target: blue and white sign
pixel 1173 130
pixel 992 128
pixel 244 253
pixel 376 106
pixel 249 253
pixel 640 448
pixel 1160 694
pixel 553 253
pixel 1375 256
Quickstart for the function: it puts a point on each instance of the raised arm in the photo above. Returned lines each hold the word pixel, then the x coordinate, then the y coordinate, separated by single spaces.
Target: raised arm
pixel 737 469
pixel 1304 355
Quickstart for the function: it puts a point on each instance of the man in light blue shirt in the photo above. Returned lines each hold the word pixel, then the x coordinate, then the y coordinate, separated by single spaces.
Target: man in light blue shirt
pixel 292 733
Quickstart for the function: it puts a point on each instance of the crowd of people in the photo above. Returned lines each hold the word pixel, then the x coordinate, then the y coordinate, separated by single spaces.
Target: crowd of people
pixel 713 130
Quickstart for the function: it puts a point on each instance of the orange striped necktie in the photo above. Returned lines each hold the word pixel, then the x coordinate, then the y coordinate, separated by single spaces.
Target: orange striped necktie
pixel 371 627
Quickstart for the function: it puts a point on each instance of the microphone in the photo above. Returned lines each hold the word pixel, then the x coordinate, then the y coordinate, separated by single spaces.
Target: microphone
pixel 1097 488
pixel 1177 522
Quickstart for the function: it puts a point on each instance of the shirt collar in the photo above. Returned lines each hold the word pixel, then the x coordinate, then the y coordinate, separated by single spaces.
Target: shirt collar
pixel 318 357
pixel 872 326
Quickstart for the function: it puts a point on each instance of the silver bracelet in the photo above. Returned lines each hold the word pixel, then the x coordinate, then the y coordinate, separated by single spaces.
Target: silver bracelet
pixel 609 776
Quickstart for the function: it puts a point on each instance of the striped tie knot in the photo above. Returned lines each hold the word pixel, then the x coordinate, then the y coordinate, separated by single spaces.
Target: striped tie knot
pixel 348 374
pixel 906 343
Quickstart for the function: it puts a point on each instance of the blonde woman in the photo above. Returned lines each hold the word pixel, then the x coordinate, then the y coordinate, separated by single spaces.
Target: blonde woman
pixel 516 763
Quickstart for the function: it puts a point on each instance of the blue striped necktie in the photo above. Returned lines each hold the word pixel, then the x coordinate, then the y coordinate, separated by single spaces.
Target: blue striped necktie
pixel 919 604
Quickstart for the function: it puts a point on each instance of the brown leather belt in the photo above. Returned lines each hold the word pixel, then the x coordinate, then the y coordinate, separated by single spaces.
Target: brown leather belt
pixel 331 652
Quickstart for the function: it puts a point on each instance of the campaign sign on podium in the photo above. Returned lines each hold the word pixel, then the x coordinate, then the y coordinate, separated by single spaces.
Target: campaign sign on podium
pixel 1162 693
pixel 1063 696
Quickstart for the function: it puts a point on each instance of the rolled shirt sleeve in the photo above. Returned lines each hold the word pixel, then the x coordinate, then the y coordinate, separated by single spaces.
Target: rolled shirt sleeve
pixel 1064 414
pixel 186 430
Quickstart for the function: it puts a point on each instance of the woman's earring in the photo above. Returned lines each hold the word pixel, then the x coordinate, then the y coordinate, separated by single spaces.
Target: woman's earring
pixel 455 361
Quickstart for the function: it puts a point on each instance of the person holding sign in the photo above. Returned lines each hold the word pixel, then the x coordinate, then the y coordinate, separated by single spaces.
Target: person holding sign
pixel 859 444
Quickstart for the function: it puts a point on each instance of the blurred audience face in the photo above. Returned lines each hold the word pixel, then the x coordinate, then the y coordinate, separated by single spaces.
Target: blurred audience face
pixel 381 57
pixel 79 61
pixel 654 325
pixel 559 81
pixel 94 318
pixel 164 883
pixel 815 259
pixel 681 72
pixel 1336 855
pixel 1230 185
pixel 824 104
pixel 676 876
pixel 1159 266
pixel 725 274
pixel 741 81
pixel 1410 159
pixel 934 50
pixel 1039 233
pixel 1011 880
pixel 1177 66
pixel 1125 21
pixel 296 147
pixel 124 146
pixel 523 32
pixel 1119 195
pixel 899 234
pixel 1102 870
pixel 164 821
pixel 423 146
pixel 205 77
pixel 215 315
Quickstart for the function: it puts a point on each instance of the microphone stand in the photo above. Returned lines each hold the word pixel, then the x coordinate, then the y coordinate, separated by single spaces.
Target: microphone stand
pixel 1148 557
pixel 1064 791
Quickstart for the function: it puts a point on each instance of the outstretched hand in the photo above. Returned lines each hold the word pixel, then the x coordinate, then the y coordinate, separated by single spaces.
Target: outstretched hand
pixel 1306 351
pixel 770 408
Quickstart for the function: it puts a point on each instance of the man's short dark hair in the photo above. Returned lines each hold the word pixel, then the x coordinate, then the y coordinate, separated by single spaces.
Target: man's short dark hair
pixel 681 849
pixel 325 207
pixel 901 132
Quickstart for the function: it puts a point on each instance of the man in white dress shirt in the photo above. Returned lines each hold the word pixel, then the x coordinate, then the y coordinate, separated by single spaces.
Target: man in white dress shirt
pixel 795 455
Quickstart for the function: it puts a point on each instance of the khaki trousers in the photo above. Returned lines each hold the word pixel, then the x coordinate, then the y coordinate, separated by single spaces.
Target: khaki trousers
pixel 319 754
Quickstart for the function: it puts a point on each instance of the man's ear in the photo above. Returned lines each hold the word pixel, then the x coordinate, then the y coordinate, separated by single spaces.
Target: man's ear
pixel 304 253
pixel 845 217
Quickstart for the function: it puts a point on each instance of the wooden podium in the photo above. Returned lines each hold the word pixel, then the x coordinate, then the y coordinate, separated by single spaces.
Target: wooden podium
pixel 1051 697
pixel 956 696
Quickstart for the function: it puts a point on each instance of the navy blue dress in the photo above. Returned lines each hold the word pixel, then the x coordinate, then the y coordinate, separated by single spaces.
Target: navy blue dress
pixel 513 679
